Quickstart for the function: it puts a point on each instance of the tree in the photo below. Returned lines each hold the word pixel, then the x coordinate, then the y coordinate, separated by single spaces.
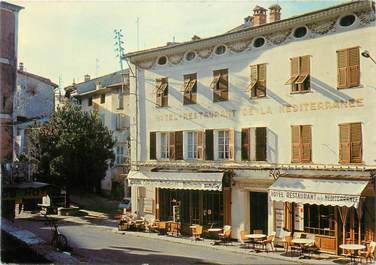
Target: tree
pixel 73 150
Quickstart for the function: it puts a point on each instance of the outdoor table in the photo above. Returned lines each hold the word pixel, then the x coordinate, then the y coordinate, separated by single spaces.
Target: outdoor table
pixel 302 241
pixel 352 248
pixel 215 231
pixel 255 238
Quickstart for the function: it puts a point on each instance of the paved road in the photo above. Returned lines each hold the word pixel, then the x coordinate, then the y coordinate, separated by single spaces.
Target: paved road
pixel 94 244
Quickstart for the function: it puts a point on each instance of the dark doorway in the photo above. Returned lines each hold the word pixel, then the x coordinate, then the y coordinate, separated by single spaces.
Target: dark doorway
pixel 259 211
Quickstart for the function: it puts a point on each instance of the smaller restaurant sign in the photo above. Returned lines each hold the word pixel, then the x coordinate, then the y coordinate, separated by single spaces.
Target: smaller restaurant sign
pixel 314 198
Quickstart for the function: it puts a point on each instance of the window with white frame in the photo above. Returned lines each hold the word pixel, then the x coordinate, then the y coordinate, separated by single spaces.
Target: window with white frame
pixel 192 138
pixel 120 154
pixel 164 146
pixel 223 147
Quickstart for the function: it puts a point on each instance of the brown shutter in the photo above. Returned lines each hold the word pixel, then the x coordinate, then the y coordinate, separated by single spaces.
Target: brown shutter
pixel 231 137
pixel 261 85
pixel 227 205
pixel 295 141
pixel 172 146
pixel 152 147
pixel 353 67
pixel 344 143
pixel 306 143
pixel 342 63
pixel 356 142
pixel 200 145
pixel 304 70
pixel 245 144
pixel 294 70
pixel 254 78
pixel 261 144
pixel 223 84
pixel 209 145
pixel 179 145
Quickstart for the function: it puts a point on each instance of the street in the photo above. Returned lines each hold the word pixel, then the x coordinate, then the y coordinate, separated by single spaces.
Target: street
pixel 98 244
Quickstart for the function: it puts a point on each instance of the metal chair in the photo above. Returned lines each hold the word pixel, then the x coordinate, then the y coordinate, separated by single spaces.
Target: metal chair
pixel 225 237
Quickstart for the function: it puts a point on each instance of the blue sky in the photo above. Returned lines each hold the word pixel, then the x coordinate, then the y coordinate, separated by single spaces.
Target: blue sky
pixel 74 38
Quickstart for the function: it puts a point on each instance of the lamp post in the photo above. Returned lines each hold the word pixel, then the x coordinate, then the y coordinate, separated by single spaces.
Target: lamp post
pixel 366 54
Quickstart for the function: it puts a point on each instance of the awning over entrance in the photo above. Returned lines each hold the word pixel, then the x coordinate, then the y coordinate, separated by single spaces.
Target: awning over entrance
pixel 177 180
pixel 318 191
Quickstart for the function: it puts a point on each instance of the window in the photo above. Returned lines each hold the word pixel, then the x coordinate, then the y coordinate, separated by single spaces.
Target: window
pixel 225 144
pixel 347 21
pixel 319 219
pixel 259 42
pixel 219 85
pixel 254 142
pixel 162 92
pixel 301 141
pixel 190 56
pixel 350 143
pixel 164 145
pixel 220 50
pixel 300 71
pixel 121 121
pixel 90 101
pixel 300 32
pixel 152 146
pixel 103 98
pixel 120 99
pixel 120 159
pixel 162 60
pixel 348 69
pixel 192 139
pixel 190 89
pixel 175 145
pixel 257 87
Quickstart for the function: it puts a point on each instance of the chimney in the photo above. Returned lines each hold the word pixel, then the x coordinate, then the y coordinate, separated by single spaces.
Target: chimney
pixel 274 13
pixel 259 16
pixel 195 37
pixel 248 21
pixel 21 67
pixel 86 77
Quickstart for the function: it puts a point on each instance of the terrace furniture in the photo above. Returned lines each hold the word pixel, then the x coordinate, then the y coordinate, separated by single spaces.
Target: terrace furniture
pixel 269 241
pixel 225 237
pixel 352 248
pixel 196 232
pixel 244 240
pixel 369 253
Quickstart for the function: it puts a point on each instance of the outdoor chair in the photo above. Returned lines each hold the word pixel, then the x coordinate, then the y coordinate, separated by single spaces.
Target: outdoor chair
pixel 287 241
pixel 244 240
pixel 369 254
pixel 225 237
pixel 310 248
pixel 162 228
pixel 269 241
pixel 197 232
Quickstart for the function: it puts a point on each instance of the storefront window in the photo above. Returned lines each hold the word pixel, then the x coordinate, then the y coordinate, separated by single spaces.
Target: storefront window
pixel 319 219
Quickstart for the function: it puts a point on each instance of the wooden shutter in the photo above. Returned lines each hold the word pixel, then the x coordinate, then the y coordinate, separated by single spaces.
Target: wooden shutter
pixel 254 78
pixel 179 145
pixel 245 144
pixel 294 70
pixel 209 145
pixel 261 84
pixel 356 142
pixel 353 67
pixel 227 205
pixel 223 84
pixel 152 147
pixel 342 62
pixel 304 71
pixel 231 137
pixel 200 145
pixel 287 207
pixel 295 141
pixel 344 143
pixel 261 144
pixel 172 146
pixel 306 144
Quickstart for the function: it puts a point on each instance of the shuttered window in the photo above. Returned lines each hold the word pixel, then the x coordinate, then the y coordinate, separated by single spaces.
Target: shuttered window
pixel 301 144
pixel 152 147
pixel 165 145
pixel 192 142
pixel 219 85
pixel 162 92
pixel 257 87
pixel 350 143
pixel 190 89
pixel 348 68
pixel 209 145
pixel 254 142
pixel 200 145
pixel 300 74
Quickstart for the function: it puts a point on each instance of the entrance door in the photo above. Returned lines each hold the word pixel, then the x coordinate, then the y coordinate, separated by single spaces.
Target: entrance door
pixel 259 211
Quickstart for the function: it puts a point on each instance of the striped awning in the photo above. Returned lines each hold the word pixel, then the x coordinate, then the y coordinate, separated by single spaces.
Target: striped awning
pixel 176 180
pixel 334 192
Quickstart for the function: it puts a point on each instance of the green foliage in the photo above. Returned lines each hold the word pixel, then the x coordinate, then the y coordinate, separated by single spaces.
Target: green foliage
pixel 72 150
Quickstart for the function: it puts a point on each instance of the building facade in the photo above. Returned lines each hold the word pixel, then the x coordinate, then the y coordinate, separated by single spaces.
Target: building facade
pixel 109 96
pixel 268 126
pixel 8 70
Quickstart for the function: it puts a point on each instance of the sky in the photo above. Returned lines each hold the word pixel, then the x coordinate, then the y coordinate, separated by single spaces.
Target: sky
pixel 64 40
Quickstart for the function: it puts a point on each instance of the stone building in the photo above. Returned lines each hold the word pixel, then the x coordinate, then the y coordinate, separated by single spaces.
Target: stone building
pixel 268 126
